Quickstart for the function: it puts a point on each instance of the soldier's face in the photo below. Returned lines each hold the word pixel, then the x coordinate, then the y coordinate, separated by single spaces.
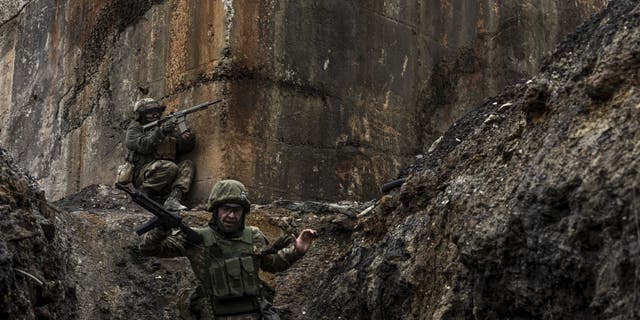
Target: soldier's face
pixel 230 217
pixel 152 115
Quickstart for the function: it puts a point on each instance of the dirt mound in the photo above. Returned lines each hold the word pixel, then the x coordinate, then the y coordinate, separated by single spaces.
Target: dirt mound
pixel 98 197
pixel 526 208
pixel 35 280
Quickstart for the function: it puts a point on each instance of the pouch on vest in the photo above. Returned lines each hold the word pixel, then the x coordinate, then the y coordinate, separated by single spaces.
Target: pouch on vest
pixel 219 276
pixel 166 150
pixel 234 272
pixel 251 286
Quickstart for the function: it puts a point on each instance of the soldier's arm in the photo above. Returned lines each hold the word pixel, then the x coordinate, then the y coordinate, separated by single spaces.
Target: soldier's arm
pixel 159 243
pixel 185 145
pixel 143 142
pixel 278 261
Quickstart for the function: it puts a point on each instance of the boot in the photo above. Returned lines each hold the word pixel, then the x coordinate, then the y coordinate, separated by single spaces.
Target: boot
pixel 173 201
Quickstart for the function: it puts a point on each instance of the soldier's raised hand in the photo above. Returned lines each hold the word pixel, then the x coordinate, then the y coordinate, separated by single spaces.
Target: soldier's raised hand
pixel 304 240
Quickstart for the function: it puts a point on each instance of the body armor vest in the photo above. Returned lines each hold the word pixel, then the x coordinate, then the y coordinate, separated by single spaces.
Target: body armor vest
pixel 230 272
pixel 166 150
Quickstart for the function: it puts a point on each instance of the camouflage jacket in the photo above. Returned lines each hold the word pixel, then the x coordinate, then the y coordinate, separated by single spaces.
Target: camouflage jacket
pixel 213 253
pixel 159 243
pixel 146 146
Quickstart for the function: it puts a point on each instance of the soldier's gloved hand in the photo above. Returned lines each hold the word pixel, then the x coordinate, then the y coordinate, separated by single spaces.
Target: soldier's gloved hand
pixel 187 135
pixel 165 224
pixel 168 127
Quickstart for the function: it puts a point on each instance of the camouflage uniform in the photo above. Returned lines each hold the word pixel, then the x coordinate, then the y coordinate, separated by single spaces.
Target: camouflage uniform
pixel 226 265
pixel 154 155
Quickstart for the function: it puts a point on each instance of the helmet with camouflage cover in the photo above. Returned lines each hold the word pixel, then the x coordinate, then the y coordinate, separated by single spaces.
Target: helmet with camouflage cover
pixel 145 104
pixel 229 191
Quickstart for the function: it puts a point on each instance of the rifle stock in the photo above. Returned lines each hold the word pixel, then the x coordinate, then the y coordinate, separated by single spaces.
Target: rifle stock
pixel 162 215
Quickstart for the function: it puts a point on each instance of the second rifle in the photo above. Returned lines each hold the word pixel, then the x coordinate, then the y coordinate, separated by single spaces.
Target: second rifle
pixel 162 215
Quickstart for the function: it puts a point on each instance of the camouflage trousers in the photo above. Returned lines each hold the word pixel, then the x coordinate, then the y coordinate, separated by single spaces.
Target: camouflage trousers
pixel 162 176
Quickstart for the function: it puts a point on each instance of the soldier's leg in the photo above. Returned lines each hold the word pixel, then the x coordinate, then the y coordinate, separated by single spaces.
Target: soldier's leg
pixel 181 185
pixel 158 175
pixel 184 177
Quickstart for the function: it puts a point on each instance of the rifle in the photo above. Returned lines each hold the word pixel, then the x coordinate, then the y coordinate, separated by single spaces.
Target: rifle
pixel 162 215
pixel 179 116
pixel 392 185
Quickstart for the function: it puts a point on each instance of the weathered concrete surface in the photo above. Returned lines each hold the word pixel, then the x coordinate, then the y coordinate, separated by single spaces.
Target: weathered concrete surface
pixel 324 99
pixel 9 13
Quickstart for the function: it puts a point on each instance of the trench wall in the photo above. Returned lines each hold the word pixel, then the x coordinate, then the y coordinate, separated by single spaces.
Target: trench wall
pixel 324 100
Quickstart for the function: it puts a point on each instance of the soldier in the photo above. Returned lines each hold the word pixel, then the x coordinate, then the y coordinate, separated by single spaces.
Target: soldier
pixel 153 153
pixel 227 262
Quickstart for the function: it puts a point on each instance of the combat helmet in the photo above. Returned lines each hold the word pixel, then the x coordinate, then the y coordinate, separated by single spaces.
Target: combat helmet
pixel 145 104
pixel 229 191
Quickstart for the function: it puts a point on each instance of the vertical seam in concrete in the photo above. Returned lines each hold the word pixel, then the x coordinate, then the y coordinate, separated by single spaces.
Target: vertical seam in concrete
pixel 230 12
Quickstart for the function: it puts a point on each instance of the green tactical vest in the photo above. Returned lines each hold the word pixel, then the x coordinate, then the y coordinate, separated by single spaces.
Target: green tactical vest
pixel 166 150
pixel 230 277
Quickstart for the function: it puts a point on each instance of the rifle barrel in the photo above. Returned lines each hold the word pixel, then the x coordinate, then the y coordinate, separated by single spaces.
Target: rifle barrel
pixel 181 113
pixel 195 108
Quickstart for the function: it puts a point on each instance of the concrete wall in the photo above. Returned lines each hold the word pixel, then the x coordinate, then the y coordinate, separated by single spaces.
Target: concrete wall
pixel 324 99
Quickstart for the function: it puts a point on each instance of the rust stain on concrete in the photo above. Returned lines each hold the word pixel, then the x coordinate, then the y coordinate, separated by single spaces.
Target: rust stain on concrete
pixel 179 25
pixel 249 25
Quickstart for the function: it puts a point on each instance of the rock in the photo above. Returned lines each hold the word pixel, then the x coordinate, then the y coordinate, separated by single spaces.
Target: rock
pixel 535 98
pixel 602 85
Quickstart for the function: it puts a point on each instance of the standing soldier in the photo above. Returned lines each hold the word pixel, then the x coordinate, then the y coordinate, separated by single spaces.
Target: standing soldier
pixel 228 259
pixel 153 153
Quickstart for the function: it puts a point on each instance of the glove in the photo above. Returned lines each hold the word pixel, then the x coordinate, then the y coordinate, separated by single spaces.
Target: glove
pixel 166 224
pixel 168 127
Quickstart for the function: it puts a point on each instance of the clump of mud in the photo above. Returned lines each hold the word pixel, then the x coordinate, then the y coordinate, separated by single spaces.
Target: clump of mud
pixel 35 279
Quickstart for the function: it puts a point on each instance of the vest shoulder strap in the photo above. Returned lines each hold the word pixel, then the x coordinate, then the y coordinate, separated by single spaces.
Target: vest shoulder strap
pixel 209 238
pixel 247 235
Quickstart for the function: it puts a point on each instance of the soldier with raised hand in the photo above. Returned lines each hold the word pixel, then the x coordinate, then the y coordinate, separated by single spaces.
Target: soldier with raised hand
pixel 228 259
pixel 153 153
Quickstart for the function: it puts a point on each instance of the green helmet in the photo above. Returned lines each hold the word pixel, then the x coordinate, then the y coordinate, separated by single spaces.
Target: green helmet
pixel 229 191
pixel 143 105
